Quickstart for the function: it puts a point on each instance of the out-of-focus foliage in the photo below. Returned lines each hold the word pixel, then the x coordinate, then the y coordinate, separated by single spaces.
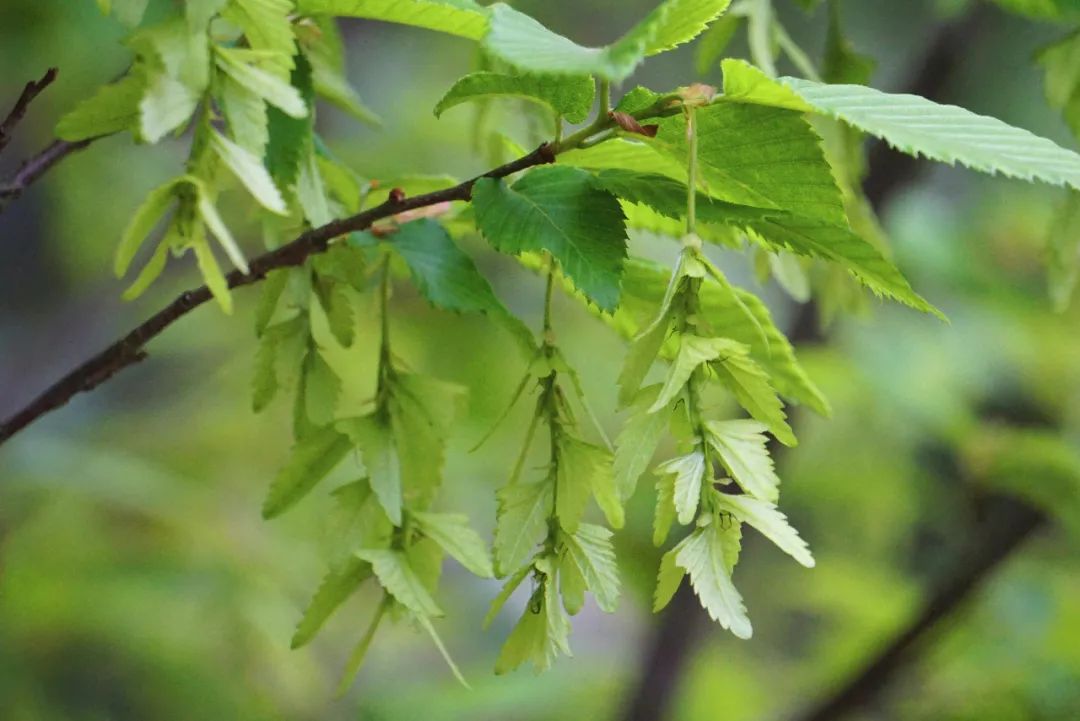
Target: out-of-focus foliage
pixel 137 580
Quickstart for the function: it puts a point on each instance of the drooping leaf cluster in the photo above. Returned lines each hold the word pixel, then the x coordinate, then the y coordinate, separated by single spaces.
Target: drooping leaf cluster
pixel 768 165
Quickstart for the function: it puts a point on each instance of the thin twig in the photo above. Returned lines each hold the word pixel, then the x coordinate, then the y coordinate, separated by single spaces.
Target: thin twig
pixel 129 349
pixel 31 91
pixel 36 166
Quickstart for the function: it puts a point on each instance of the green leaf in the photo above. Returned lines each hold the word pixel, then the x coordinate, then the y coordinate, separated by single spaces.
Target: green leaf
pixel 637 441
pixel 400 580
pixel 668 578
pixel 290 137
pixel 454 535
pixel 456 17
pixel 333 86
pixel 508 589
pixel 211 273
pixel 219 230
pixel 1061 61
pixel 571 96
pixel 524 43
pixel 147 216
pixel 627 155
pixel 245 112
pixel 1063 257
pixel 748 382
pixel 166 105
pixel 430 628
pixel 689 472
pixel 765 517
pixel 703 558
pixel 238 64
pixel 521 523
pixel 914 125
pixel 572 584
pixel 111 109
pixel 641 354
pixel 527 640
pixel 560 210
pixel 376 442
pixel 250 171
pixel 266 25
pixel 444 274
pixel 312 459
pixel 817 239
pixel 743 448
pixel 264 382
pixel 644 287
pixel 149 273
pixel 584 470
pixel 777 163
pixel 693 352
pixel 664 515
pixel 337 585
pixel 592 552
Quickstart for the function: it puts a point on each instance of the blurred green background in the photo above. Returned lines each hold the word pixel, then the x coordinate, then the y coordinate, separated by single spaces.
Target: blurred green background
pixel 137 580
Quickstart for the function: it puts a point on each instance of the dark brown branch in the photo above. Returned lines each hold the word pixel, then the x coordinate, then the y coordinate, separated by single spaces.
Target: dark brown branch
pixel 35 167
pixel 31 91
pixel 130 349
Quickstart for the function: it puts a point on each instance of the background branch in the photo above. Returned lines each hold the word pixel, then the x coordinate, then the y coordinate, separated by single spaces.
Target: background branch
pixel 36 166
pixel 31 91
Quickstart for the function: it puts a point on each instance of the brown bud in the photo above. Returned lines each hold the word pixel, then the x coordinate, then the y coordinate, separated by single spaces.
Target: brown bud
pixel 397 195
pixel 630 124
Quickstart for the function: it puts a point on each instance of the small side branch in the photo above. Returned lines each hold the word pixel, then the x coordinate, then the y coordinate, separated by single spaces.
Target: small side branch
pixel 31 91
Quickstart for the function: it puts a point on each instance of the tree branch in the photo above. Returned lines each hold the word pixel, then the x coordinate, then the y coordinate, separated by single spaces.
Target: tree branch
pixel 36 166
pixel 31 91
pixel 129 349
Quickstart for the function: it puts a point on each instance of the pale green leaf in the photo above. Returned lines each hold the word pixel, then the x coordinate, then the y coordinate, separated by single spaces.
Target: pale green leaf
pixel 508 589
pixel 311 460
pixel 166 105
pixel 250 171
pixel 220 231
pixel 239 64
pixel 571 96
pixel 521 523
pixel 376 442
pixel 591 549
pixel 147 216
pixel 664 515
pixel 584 470
pixel 750 384
pixel 914 125
pixel 689 472
pixel 454 535
pixel 245 112
pixel 211 273
pixel 668 578
pixel 703 558
pixel 337 585
pixel 637 441
pixel 765 517
pixel 693 352
pixel 149 272
pixel 400 580
pixel 743 448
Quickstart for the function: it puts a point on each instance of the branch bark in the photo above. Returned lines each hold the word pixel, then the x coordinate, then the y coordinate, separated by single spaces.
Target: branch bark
pixel 130 349
pixel 31 91
pixel 35 166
